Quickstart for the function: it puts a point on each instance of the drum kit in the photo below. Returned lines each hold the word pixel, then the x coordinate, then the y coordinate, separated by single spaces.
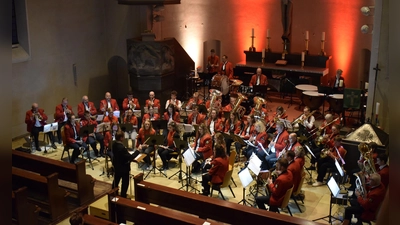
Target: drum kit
pixel 223 84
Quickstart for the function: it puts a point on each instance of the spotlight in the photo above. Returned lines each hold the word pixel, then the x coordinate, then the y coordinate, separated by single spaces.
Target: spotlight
pixel 365 10
pixel 364 29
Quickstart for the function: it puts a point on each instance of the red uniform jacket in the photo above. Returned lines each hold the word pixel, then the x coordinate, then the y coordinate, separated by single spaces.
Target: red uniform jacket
pixel 85 123
pixel 228 69
pixel 205 145
pixel 133 120
pixel 263 80
pixel 218 124
pixel 278 189
pixel 82 109
pixel 212 61
pixel 372 202
pixel 331 141
pixel 227 108
pixel 147 116
pixel 301 161
pixel 104 105
pixel 69 133
pixel 262 138
pixel 236 127
pixel 328 129
pixel 218 170
pixel 125 104
pixel 252 130
pixel 294 146
pixel 107 119
pixel 193 102
pixel 296 169
pixel 271 120
pixel 30 123
pixel 200 118
pixel 59 116
pixel 280 143
pixel 142 134
pixel 176 117
pixel 156 103
pixel 384 172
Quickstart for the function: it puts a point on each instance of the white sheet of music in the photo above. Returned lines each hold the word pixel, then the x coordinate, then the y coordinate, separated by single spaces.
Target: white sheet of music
pixel 254 164
pixel 54 126
pixel 117 113
pixel 100 117
pixel 189 156
pixel 188 127
pixel 46 128
pixel 245 177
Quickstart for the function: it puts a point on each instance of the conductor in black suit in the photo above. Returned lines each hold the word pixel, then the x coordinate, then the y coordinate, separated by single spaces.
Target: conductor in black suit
pixel 122 163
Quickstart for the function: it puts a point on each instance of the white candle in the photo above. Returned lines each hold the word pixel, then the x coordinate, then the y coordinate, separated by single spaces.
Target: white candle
pixel 303 54
pixel 252 31
pixel 366 85
pixel 306 34
pixel 377 108
pixel 323 36
pixel 341 83
pixel 263 53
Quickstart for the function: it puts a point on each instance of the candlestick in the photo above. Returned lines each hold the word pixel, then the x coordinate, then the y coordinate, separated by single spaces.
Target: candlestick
pixel 322 48
pixel 252 31
pixel 366 85
pixel 263 53
pixel 262 61
pixel 306 34
pixel 323 36
pixel 268 33
pixel 302 56
pixel 377 108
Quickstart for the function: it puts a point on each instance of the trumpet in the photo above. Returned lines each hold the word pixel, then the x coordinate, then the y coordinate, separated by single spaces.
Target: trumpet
pixel 131 104
pixel 38 117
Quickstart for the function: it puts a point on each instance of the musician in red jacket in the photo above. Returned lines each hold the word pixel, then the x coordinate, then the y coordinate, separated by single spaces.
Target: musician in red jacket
pixel 144 146
pixel 295 168
pixel 195 100
pixel 35 120
pixel 203 143
pixel 247 132
pixel 214 123
pixel 86 105
pixel 113 120
pixel 212 63
pixel 61 116
pixel 232 126
pixel 383 169
pixel 226 67
pixel 108 102
pixel 259 137
pixel 258 78
pixel 366 207
pixel 164 151
pixel 277 144
pixel 94 137
pixel 151 115
pixel 216 174
pixel 71 132
pixel 279 114
pixel 130 102
pixel 278 188
pixel 195 117
pixel 153 101
pixel 172 114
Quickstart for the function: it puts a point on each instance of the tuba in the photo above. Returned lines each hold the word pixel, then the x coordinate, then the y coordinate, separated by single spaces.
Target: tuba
pixel 258 106
pixel 237 107
pixel 214 95
pixel 367 168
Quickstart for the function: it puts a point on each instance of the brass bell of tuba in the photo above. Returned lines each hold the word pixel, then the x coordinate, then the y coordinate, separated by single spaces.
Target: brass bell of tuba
pixel 214 95
pixel 258 101
pixel 237 107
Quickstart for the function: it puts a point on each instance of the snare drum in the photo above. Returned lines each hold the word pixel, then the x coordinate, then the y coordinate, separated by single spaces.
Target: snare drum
pixel 313 99
pixel 220 82
pixel 336 103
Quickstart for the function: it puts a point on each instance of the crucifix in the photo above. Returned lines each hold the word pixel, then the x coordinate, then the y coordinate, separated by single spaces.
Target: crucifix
pixel 352 97
pixel 377 69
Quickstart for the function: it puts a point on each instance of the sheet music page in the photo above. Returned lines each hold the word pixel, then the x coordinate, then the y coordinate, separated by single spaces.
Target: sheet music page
pixel 254 164
pixel 117 113
pixel 54 126
pixel 100 117
pixel 188 156
pixel 245 177
pixel 138 156
pixel 188 127
pixel 47 128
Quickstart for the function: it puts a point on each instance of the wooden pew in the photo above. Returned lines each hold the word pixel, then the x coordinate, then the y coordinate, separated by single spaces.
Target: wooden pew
pixel 92 220
pixel 206 207
pixel 23 212
pixel 141 213
pixel 43 191
pixel 74 173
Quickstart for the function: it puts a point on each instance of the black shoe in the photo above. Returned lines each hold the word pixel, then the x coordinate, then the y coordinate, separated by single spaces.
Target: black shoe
pixel 54 146
pixel 311 168
pixel 205 193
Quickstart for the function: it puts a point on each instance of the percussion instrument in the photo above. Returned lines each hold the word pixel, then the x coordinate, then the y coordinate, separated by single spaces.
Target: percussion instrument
pixel 313 99
pixel 221 83
pixel 336 103
pixel 245 89
pixel 305 87
pixel 235 84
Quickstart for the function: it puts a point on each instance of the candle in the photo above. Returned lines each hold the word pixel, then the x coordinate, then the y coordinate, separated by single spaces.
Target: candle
pixel 366 85
pixel 252 31
pixel 268 33
pixel 263 53
pixel 306 34
pixel 377 108
pixel 323 36
pixel 341 83
pixel 303 54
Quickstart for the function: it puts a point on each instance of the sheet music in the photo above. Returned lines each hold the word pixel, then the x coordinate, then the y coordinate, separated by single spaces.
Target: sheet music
pixel 245 177
pixel 189 156
pixel 117 113
pixel 100 117
pixel 249 143
pixel 54 126
pixel 333 187
pixel 254 164
pixel 287 123
pixel 309 150
pixel 262 148
pixel 46 128
pixel 188 128
pixel 138 157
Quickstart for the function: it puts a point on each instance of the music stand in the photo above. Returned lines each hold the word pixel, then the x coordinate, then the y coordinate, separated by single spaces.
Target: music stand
pixel 290 90
pixel 102 127
pixel 85 131
pixel 189 156
pixel 146 110
pixel 205 77
pixel 127 127
pixel 336 198
pixel 202 109
pixel 155 140
pixel 159 125
pixel 260 90
pixel 246 178
pixel 179 144
pixel 326 90
pixel 51 127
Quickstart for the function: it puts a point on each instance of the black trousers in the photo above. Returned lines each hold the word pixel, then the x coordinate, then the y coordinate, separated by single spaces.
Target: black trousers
pixel 35 133
pixel 262 200
pixel 355 209
pixel 60 125
pixel 322 167
pixel 147 151
pixel 76 151
pixel 125 182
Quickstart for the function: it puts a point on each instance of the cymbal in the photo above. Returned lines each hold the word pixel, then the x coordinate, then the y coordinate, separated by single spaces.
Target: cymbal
pixel 236 82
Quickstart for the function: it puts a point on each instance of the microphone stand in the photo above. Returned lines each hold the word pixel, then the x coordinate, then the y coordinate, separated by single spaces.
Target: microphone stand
pixel 291 92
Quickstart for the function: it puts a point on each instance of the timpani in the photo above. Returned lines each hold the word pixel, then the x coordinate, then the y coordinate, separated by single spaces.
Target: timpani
pixel 313 99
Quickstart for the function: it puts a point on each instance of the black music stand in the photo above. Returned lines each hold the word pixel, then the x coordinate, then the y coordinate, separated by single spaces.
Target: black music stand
pixel 188 173
pixel 155 140
pixel 326 90
pixel 85 131
pixel 159 125
pixel 290 90
pixel 206 78
pixel 202 109
pixel 179 144
pixel 261 90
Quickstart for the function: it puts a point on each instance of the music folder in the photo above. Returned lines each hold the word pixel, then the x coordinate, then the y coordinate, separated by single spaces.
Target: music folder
pixel 100 117
pixel 127 127
pixel 86 130
pixel 103 127
pixel 309 150
pixel 159 124
pixel 255 164
pixel 334 188
pixel 154 139
pixel 189 156
pixel 146 110
pixel 238 139
pixel 287 123
pixel 339 168
pixel 325 90
pixel 260 89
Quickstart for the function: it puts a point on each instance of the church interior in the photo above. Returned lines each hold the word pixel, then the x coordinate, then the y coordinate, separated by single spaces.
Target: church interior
pixel 70 49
